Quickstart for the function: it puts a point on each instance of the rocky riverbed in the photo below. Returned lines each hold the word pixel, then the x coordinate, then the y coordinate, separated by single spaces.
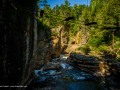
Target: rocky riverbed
pixel 59 75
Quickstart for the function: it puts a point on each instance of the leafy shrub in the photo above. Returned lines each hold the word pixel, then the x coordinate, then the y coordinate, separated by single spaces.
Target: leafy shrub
pixel 54 33
pixel 103 48
pixel 86 49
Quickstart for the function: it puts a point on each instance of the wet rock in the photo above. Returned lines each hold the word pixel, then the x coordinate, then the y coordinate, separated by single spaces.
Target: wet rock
pixel 63 57
pixel 66 66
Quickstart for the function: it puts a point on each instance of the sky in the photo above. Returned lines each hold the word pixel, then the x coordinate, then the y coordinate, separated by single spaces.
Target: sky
pixel 53 3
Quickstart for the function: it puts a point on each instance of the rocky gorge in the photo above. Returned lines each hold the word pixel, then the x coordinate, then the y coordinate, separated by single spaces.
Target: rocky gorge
pixel 39 53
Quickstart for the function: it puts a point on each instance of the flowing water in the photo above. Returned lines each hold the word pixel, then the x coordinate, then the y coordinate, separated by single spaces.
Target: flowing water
pixel 66 78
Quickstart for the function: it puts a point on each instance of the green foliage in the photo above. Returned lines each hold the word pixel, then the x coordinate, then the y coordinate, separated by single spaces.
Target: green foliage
pixel 106 13
pixel 103 48
pixel 85 49
pixel 96 37
pixel 54 34
pixel 117 42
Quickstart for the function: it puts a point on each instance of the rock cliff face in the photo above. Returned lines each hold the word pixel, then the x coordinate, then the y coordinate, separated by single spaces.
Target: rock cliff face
pixel 59 40
pixel 44 47
pixel 56 46
pixel 67 43
pixel 23 47
pixel 18 29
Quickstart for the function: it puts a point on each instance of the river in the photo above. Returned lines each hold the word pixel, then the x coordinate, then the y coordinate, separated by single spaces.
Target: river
pixel 66 78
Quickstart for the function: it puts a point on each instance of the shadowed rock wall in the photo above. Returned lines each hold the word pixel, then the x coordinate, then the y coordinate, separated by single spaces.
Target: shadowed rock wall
pixel 18 38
